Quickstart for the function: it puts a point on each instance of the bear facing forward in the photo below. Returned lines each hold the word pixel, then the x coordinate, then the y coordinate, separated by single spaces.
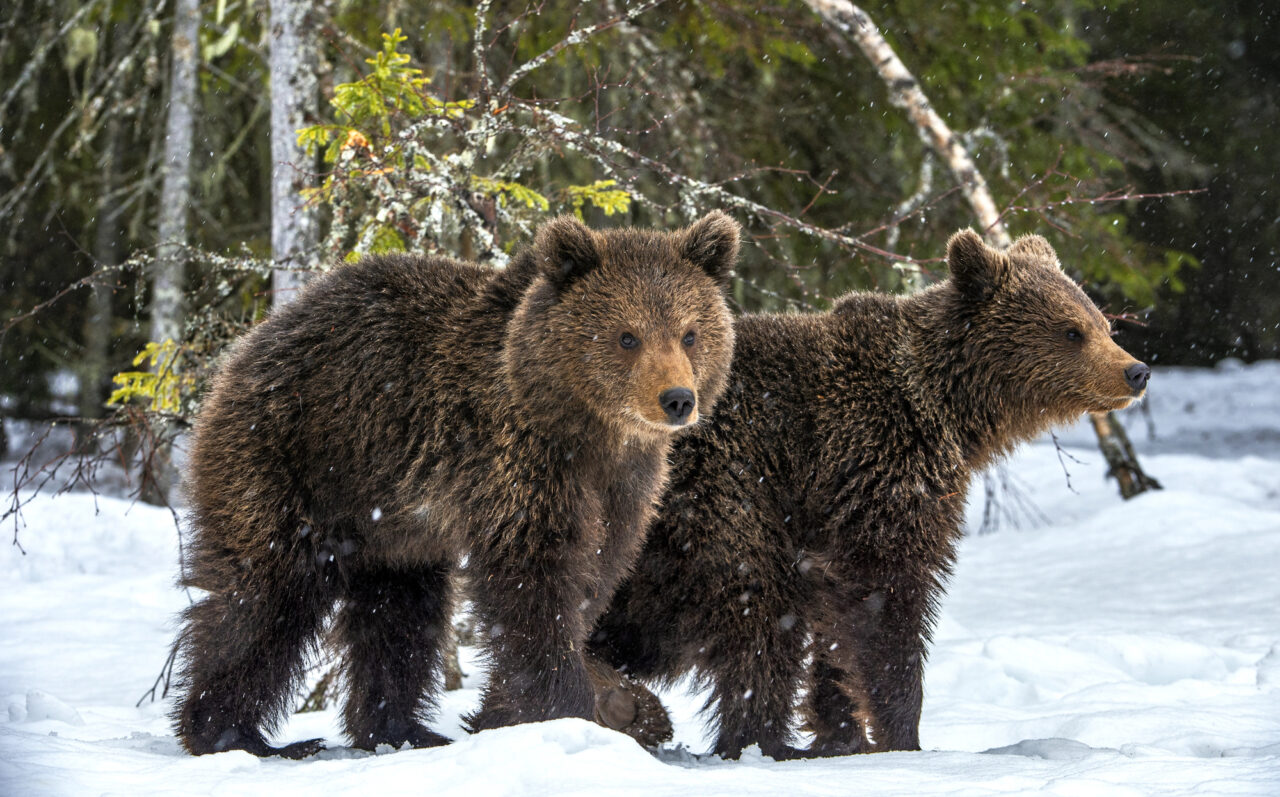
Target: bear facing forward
pixel 406 414
pixel 811 525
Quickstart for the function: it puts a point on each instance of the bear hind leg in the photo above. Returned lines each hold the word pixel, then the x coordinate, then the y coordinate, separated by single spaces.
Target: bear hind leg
pixel 242 652
pixel 392 631
pixel 753 696
pixel 892 652
pixel 835 710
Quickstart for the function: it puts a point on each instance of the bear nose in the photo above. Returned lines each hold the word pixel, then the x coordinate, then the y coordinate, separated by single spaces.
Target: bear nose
pixel 678 403
pixel 1137 375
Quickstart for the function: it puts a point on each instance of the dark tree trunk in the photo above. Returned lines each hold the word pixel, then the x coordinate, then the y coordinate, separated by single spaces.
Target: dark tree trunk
pixel 106 252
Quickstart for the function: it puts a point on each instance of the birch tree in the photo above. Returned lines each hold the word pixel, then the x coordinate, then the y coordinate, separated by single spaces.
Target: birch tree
pixel 905 93
pixel 159 474
pixel 175 192
pixel 294 95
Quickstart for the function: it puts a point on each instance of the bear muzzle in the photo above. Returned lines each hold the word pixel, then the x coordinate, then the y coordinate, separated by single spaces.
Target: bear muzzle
pixel 679 404
pixel 1137 376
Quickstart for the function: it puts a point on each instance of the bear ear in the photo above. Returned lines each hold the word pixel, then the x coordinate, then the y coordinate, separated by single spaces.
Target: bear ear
pixel 976 268
pixel 711 243
pixel 1035 246
pixel 565 250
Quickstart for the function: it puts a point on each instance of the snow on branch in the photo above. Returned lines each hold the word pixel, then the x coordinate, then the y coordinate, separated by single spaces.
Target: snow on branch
pixel 480 47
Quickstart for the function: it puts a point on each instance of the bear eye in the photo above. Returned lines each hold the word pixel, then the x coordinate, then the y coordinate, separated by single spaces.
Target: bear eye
pixel 1074 335
pixel 628 341
pixel 688 338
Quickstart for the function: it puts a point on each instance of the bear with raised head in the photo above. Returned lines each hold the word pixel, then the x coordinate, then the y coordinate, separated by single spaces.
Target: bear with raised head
pixel 407 416
pixel 810 527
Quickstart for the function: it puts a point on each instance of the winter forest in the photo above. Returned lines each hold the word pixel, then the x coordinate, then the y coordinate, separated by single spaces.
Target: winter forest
pixel 1098 612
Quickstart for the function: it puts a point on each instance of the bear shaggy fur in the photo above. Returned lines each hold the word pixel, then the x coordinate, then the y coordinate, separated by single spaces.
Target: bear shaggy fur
pixel 810 527
pixel 406 414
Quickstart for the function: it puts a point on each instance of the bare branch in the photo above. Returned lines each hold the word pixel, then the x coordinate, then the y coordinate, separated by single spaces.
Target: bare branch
pixel 36 60
pixel 104 86
pixel 163 679
pixel 570 132
pixel 908 206
pixel 574 38
pixel 1057 446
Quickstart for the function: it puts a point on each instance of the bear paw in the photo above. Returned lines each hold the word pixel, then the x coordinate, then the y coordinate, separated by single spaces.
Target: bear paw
pixel 625 705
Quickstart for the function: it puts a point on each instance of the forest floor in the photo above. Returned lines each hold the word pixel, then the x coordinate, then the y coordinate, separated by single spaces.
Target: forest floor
pixel 1102 647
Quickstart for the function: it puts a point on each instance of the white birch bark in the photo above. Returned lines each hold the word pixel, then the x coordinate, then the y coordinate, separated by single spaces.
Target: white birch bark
pixel 159 473
pixel 294 92
pixel 175 191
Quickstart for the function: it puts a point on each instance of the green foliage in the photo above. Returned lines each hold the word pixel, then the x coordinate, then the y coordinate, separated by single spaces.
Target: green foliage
pixel 391 87
pixel 382 239
pixel 1014 80
pixel 765 101
pixel 363 145
pixel 162 387
pixel 214 48
pixel 396 151
pixel 504 189
pixel 602 194
pixel 1014 73
pixel 1125 275
pixel 82 45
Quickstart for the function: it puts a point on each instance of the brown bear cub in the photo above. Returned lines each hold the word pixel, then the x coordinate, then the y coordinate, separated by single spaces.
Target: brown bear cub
pixel 407 416
pixel 810 527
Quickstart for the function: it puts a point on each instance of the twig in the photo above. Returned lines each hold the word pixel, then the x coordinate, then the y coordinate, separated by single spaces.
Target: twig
pixel 165 677
pixel 1061 453
pixel 568 130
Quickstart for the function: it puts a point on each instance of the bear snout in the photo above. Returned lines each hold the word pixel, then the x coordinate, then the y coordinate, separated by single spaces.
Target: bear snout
pixel 678 403
pixel 1137 376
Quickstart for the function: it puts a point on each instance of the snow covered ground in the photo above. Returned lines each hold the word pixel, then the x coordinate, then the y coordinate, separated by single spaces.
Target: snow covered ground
pixel 1121 648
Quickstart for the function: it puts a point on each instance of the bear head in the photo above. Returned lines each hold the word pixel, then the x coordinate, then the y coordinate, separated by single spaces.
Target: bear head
pixel 1043 341
pixel 628 325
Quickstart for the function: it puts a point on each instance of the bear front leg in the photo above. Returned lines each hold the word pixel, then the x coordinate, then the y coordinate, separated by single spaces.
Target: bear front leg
pixel 531 628
pixel 639 634
pixel 391 631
